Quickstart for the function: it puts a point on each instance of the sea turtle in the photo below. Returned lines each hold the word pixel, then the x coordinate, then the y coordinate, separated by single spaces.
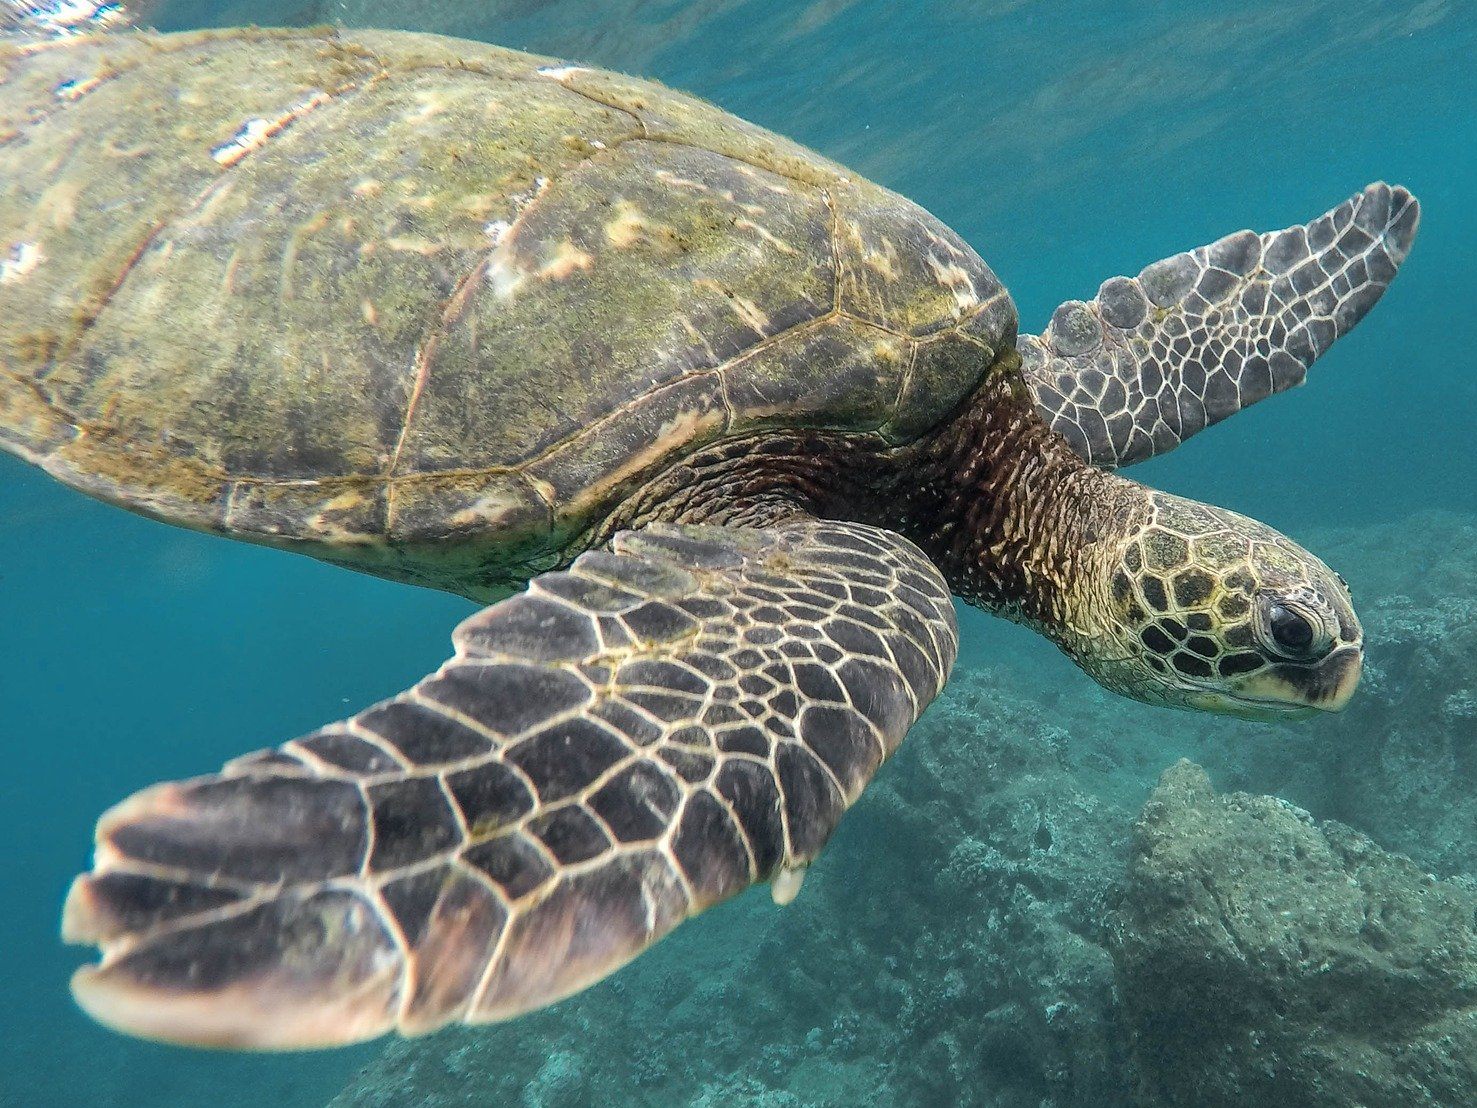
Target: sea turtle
pixel 737 423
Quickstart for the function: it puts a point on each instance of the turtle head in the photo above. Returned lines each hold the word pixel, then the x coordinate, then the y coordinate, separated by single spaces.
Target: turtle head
pixel 1197 607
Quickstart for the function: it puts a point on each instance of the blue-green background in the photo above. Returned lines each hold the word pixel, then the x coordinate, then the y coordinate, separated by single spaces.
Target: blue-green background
pixel 1067 141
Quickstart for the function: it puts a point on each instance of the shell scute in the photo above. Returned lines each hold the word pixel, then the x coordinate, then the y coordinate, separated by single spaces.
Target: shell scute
pixel 840 373
pixel 322 269
pixel 86 213
pixel 668 115
pixel 625 276
pixel 584 473
pixel 901 268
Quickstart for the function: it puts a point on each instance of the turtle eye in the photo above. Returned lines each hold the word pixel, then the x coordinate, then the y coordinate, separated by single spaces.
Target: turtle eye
pixel 1293 634
pixel 1289 629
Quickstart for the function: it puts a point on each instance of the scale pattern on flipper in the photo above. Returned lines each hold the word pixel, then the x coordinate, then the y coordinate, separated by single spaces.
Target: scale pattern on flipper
pixel 1192 339
pixel 608 753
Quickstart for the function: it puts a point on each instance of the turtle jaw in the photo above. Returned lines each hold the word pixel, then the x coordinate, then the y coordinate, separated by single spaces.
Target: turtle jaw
pixel 1290 692
pixel 1326 687
pixel 1261 711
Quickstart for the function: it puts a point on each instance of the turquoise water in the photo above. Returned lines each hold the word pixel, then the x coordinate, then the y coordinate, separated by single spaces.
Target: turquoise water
pixel 1066 142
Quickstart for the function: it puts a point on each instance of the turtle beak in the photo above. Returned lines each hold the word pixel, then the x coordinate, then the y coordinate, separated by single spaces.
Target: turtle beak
pixel 1289 691
pixel 1336 679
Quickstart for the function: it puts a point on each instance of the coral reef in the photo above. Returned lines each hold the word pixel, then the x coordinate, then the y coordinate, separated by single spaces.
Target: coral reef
pixel 954 943
pixel 1263 957
pixel 1405 763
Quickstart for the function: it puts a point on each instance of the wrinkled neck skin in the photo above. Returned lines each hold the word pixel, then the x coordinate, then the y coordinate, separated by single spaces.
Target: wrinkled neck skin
pixel 1019 524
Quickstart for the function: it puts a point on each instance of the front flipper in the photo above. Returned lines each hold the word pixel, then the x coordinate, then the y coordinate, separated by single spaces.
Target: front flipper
pixel 608 753
pixel 1197 337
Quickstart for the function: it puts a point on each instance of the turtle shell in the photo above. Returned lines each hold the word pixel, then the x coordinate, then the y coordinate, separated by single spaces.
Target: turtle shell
pixel 429 307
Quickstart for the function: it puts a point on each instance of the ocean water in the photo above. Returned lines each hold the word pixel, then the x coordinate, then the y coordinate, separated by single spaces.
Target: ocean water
pixel 1067 142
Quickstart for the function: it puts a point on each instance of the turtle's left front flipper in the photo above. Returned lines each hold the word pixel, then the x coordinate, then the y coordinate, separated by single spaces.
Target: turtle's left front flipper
pixel 610 752
pixel 1192 339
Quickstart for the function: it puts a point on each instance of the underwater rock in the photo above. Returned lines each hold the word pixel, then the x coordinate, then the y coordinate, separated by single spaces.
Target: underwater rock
pixel 1266 958
pixel 1400 763
pixel 1405 760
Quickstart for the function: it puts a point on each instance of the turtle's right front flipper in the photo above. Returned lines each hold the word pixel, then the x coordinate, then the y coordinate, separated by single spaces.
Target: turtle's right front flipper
pixel 1156 358
pixel 608 753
